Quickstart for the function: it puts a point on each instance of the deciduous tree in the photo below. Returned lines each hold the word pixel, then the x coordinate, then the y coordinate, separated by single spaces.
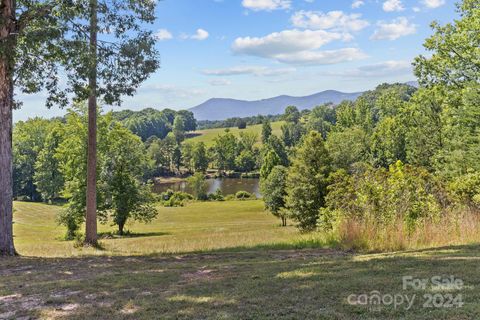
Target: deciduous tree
pixel 274 192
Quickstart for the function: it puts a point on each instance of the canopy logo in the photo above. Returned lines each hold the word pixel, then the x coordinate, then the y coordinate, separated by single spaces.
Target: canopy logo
pixel 440 294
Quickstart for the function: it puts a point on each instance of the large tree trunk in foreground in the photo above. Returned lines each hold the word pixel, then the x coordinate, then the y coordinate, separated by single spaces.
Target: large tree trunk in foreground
pixel 6 105
pixel 91 214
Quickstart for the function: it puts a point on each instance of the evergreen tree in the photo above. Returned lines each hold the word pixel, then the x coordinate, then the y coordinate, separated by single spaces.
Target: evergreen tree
pixel 307 181
pixel 266 130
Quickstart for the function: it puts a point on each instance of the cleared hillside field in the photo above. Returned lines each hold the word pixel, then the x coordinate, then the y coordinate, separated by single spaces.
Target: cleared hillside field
pixel 127 280
pixel 249 268
pixel 196 227
pixel 208 135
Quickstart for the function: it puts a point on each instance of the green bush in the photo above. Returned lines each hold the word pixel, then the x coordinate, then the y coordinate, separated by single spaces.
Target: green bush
pixel 384 196
pixel 178 199
pixel 216 196
pixel 229 197
pixel 244 195
pixel 165 196
pixel 198 184
pixel 466 190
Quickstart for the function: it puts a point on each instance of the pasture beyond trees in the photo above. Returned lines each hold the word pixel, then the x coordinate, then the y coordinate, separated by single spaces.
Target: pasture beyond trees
pixel 207 136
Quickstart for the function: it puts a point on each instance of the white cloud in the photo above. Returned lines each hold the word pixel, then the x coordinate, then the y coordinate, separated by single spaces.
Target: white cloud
pixel 163 34
pixel 381 69
pixel 433 3
pixel 297 47
pixel 393 30
pixel 249 70
pixel 393 5
pixel 335 20
pixel 287 41
pixel 199 35
pixel 267 5
pixel 171 92
pixel 220 82
pixel 322 57
pixel 357 4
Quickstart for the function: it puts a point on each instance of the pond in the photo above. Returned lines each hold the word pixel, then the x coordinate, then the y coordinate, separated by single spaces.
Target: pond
pixel 226 185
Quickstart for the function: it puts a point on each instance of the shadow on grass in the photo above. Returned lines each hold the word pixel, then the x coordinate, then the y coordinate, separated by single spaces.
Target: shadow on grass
pixel 191 135
pixel 128 234
pixel 296 245
pixel 258 283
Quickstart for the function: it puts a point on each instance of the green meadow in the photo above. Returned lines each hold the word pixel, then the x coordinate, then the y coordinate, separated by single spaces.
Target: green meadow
pixel 208 136
pixel 199 226
pixel 221 260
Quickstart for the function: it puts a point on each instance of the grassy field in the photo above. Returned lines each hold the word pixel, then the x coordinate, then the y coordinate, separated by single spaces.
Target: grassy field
pixel 207 136
pixel 226 260
pixel 199 226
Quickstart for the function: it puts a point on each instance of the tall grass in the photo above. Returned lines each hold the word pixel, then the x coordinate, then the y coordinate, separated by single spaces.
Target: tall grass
pixel 453 228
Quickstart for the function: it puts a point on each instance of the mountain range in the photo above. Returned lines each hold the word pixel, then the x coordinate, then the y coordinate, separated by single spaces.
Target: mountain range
pixel 221 109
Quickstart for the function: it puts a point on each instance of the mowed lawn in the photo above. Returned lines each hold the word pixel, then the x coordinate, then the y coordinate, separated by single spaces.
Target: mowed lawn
pixel 234 274
pixel 195 227
pixel 208 136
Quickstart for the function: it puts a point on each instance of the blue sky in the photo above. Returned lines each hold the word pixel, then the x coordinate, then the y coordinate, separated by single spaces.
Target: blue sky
pixel 254 49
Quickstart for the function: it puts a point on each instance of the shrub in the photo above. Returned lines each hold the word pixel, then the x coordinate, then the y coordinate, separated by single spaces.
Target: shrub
pixel 384 196
pixel 230 197
pixel 466 190
pixel 178 199
pixel 198 185
pixel 241 124
pixel 165 196
pixel 216 196
pixel 243 195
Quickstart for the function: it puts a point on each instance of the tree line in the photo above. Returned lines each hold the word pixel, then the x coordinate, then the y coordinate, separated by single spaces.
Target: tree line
pixel 397 154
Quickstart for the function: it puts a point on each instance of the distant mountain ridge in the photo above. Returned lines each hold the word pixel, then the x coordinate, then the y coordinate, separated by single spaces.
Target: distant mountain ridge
pixel 221 109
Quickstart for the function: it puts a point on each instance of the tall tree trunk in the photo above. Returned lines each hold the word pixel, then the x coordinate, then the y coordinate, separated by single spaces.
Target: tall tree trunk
pixel 121 226
pixel 6 105
pixel 91 214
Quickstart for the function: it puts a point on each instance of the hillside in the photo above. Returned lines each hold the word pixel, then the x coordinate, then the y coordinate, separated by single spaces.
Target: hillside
pixel 220 109
pixel 208 135
pixel 229 259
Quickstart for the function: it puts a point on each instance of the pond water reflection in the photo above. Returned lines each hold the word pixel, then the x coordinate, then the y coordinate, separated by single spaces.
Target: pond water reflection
pixel 226 185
